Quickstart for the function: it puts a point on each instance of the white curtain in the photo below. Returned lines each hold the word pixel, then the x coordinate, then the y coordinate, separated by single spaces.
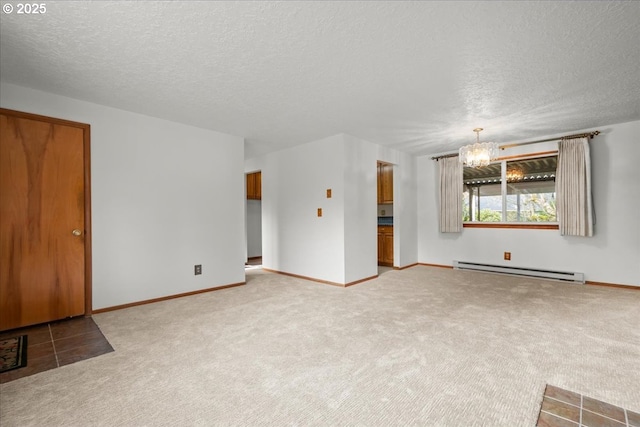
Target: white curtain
pixel 450 195
pixel 574 204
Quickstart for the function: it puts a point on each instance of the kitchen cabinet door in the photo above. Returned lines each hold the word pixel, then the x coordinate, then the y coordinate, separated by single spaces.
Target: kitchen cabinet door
pixel 386 176
pixel 254 186
pixel 385 245
pixel 385 183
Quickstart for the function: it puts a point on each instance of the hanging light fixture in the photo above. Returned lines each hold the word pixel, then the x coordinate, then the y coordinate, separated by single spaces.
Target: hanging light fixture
pixel 514 174
pixel 478 154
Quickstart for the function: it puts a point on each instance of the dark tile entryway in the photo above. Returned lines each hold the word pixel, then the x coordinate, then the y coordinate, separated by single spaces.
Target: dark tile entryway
pixel 56 344
pixel 564 408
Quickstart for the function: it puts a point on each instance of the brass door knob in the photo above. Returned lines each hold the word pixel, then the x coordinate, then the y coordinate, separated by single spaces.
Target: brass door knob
pixel 77 232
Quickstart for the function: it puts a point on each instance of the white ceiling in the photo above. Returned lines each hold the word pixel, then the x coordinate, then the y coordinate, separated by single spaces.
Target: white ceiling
pixel 417 76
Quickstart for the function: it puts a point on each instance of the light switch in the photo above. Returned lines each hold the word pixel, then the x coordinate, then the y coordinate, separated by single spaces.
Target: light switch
pixel 319 211
pixel 328 193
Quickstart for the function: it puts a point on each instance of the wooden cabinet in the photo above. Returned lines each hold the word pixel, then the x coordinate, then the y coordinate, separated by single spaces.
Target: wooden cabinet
pixel 254 186
pixel 258 179
pixel 385 245
pixel 385 183
pixel 379 186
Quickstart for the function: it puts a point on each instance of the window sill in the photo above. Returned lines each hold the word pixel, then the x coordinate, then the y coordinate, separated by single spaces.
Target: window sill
pixel 527 225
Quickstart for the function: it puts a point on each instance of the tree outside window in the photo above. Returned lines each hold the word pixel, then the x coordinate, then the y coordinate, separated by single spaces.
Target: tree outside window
pixel 511 191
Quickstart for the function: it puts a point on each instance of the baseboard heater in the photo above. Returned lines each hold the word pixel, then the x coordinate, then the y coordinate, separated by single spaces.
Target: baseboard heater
pixel 521 271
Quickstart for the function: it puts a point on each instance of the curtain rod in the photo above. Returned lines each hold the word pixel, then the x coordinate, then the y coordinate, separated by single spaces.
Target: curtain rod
pixel 502 147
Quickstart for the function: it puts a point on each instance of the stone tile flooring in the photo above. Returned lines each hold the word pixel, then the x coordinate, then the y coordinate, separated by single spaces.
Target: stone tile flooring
pixel 564 408
pixel 56 344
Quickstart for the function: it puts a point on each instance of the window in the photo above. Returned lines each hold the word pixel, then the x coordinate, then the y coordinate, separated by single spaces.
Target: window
pixel 514 191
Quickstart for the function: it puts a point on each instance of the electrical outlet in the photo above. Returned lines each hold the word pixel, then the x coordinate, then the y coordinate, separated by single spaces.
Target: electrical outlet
pixel 507 256
pixel 197 269
pixel 319 211
pixel 328 193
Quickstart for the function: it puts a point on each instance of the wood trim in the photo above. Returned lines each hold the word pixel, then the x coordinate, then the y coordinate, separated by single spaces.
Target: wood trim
pixel 31 116
pixel 503 225
pixel 346 285
pixel 612 285
pixel 435 265
pixel 297 276
pixel 406 266
pixel 150 301
pixel 324 282
pixel 88 245
pixel 522 156
pixel 86 132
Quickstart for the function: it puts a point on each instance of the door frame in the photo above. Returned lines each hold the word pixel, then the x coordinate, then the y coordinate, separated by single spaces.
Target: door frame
pixel 86 136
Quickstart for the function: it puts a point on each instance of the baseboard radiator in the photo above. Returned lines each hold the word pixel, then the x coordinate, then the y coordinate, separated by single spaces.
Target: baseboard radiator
pixel 521 271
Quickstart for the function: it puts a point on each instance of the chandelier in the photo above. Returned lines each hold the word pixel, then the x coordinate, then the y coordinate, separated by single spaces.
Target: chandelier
pixel 478 154
pixel 514 174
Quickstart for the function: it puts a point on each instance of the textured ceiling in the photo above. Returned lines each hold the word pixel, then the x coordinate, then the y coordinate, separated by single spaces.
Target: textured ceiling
pixel 417 76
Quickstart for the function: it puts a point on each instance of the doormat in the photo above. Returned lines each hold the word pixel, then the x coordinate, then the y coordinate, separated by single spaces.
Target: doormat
pixel 13 353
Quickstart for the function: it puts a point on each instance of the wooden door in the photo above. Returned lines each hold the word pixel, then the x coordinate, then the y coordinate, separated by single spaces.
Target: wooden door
pixel 254 185
pixel 251 186
pixel 385 245
pixel 379 175
pixel 388 248
pixel 258 180
pixel 387 183
pixel 380 246
pixel 44 205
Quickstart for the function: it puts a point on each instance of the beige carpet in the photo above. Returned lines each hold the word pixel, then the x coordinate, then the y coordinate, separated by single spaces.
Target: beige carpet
pixel 422 346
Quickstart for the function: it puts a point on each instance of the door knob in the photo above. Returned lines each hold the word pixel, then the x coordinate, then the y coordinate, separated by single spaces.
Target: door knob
pixel 76 232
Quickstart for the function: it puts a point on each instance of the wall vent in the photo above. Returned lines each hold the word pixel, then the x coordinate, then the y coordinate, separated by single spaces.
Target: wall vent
pixel 521 271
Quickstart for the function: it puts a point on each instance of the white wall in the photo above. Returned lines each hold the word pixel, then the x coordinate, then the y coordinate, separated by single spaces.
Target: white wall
pixel 340 247
pixel 405 211
pixel 611 256
pixel 165 196
pixel 254 228
pixel 361 207
pixel 361 219
pixel 294 184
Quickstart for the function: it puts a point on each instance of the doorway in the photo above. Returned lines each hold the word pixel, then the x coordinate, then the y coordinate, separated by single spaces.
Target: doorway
pixel 385 216
pixel 45 223
pixel 254 219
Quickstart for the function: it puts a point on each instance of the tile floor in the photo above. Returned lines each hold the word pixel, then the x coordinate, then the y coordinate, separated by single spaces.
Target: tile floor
pixel 56 344
pixel 564 408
